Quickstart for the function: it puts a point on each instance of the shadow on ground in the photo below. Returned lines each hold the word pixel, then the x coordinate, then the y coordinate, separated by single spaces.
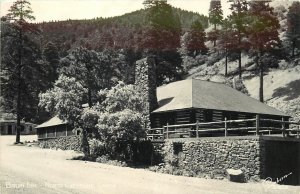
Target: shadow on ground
pixel 291 91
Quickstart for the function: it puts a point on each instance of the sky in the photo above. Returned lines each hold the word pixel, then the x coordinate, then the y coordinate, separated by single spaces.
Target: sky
pixel 52 10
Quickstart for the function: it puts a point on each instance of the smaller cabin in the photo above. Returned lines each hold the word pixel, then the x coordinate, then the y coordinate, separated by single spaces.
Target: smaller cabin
pixel 53 128
pixel 9 127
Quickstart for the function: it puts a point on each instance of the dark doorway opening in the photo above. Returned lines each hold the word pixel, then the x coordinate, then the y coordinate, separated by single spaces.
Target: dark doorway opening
pixel 9 130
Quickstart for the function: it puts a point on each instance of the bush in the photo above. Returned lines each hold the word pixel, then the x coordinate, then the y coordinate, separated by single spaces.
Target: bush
pixel 97 147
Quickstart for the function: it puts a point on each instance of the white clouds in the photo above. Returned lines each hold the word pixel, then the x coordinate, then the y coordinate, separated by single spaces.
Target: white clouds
pixel 47 10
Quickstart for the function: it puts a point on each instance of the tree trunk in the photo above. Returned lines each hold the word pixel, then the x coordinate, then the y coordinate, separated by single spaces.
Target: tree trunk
pixel 18 106
pixel 85 143
pixel 90 97
pixel 215 27
pixel 19 86
pixel 293 48
pixel 226 62
pixel 261 81
pixel 240 64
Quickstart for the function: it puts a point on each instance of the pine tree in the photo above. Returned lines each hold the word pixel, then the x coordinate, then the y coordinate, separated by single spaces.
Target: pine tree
pixel 215 18
pixel 228 41
pixel 263 34
pixel 238 19
pixel 161 39
pixel 293 30
pixel 50 54
pixel 17 20
pixel 195 40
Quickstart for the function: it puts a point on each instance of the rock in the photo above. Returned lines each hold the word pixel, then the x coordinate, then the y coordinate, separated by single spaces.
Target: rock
pixel 236 175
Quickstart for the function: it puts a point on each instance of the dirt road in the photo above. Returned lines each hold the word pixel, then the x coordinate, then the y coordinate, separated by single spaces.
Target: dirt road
pixel 31 170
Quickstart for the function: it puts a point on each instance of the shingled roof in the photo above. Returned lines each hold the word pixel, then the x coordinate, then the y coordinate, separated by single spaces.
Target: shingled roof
pixel 54 121
pixel 193 93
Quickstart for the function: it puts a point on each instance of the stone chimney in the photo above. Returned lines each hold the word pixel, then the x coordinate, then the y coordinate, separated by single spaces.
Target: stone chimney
pixel 145 80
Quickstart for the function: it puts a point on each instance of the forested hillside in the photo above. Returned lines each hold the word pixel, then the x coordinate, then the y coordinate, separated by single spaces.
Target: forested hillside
pixel 121 32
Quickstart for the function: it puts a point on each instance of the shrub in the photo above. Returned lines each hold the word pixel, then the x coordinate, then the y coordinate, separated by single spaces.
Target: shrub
pixel 97 147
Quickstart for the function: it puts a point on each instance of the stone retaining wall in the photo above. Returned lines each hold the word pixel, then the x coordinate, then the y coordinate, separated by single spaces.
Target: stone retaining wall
pixel 210 157
pixel 64 143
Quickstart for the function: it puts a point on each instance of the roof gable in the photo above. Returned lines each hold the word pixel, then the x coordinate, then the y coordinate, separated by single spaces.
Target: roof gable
pixel 54 121
pixel 176 95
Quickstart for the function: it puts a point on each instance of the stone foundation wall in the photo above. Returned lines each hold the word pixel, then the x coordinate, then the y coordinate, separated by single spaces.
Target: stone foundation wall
pixel 210 157
pixel 64 143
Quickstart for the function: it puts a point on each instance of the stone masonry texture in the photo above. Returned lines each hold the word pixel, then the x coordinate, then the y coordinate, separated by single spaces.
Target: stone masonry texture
pixel 210 157
pixel 145 81
pixel 63 143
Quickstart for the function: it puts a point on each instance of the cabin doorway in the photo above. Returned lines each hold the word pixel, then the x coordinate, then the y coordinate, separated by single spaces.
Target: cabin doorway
pixel 9 130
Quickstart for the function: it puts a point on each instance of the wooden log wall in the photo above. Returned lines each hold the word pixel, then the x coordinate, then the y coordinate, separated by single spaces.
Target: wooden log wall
pixel 183 117
pixel 199 115
pixel 155 121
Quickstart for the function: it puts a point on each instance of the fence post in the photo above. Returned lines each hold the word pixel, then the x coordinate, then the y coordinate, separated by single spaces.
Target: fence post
pixel 257 124
pixel 197 128
pixel 298 133
pixel 167 131
pixel 283 127
pixel 226 133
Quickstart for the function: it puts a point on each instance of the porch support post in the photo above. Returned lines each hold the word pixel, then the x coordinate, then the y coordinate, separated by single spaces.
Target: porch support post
pixel 257 124
pixel 197 128
pixel 167 131
pixel 226 133
pixel 283 127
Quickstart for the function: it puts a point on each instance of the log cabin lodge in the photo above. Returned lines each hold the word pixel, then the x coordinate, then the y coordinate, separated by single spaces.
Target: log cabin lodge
pixel 190 101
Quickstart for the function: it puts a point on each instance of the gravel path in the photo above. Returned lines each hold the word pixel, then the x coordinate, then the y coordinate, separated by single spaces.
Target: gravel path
pixel 31 170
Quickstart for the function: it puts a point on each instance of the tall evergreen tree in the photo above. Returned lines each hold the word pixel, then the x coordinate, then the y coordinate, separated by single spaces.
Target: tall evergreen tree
pixel 263 34
pixel 228 41
pixel 195 40
pixel 293 30
pixel 215 18
pixel 50 53
pixel 238 19
pixel 21 56
pixel 162 39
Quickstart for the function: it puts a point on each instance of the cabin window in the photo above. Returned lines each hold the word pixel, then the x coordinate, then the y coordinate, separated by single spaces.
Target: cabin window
pixel 177 148
pixel 51 132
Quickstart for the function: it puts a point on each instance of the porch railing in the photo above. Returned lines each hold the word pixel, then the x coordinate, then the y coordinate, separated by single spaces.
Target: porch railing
pixel 222 128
